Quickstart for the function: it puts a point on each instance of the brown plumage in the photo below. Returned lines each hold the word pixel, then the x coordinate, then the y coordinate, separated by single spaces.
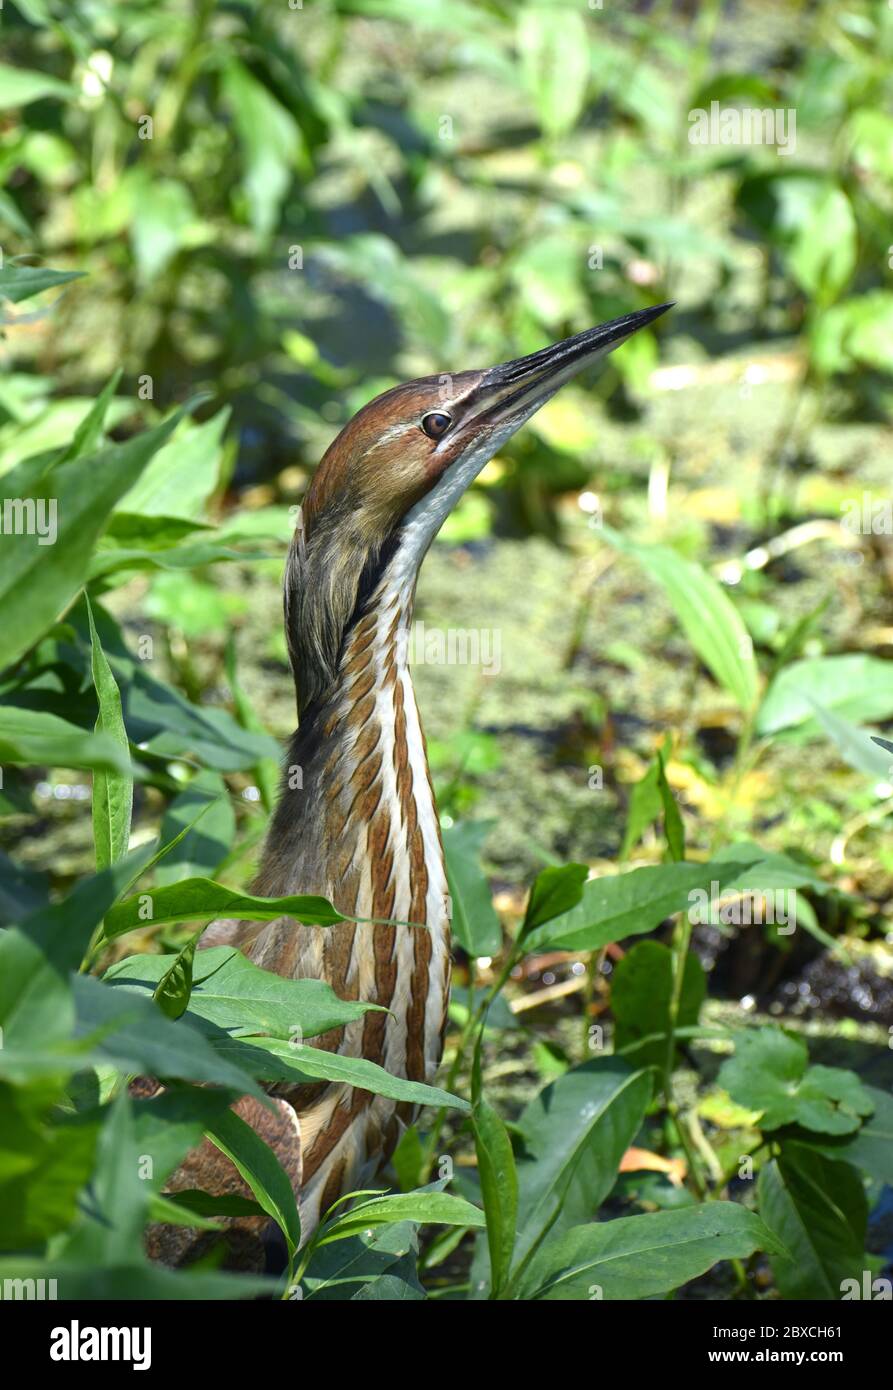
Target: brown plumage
pixel 356 821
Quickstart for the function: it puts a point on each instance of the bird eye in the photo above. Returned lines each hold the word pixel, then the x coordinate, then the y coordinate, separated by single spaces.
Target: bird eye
pixel 436 424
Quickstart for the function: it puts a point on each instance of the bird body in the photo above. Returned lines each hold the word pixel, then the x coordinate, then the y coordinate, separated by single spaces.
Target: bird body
pixel 356 821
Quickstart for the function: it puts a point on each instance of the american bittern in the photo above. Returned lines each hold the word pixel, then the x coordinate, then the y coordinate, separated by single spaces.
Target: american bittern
pixel 356 821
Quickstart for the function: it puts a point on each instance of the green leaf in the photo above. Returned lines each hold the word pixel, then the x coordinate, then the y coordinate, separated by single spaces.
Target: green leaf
pixel 161 224
pixel 271 143
pixel 645 805
pixel 555 891
pixel 499 1189
pixel 711 621
pixel 206 844
pixel 574 1135
pixel 270 1059
pixel 855 687
pixel 230 992
pixel 770 1072
pixel 822 258
pixel 173 990
pixel 38 582
pixel 183 475
pixel 818 1210
pixel 475 924
pixel 194 898
pixel 63 930
pixel 43 1169
pixel 261 1170
pixel 133 1035
pixel 641 996
pixel 18 87
pixel 172 1122
pixel 859 747
pixel 422 1208
pixel 621 905
pixel 18 282
pixel 111 1227
pixel 554 49
pixel 644 1256
pixel 377 1264
pixel 89 433
pixel 871 1147
pixel 674 830
pixel 112 791
pixel 37 738
pixel 193 1202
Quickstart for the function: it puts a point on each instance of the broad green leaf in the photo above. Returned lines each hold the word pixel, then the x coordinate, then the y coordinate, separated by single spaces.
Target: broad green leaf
pixel 770 1072
pixel 173 1122
pixel 554 49
pixel 162 1208
pixel 818 1210
pixel 855 687
pixel 261 1170
pixel 192 1202
pixel 574 1135
pixel 499 1188
pixel 194 898
pixel 161 225
pixel 204 846
pixel 823 256
pixel 271 143
pixel 859 747
pixel 112 791
pixel 644 1256
pixel 63 930
pixel 871 1147
pixel 37 581
pixel 621 905
pixel 111 1225
pixel 377 1264
pixel 183 475
pixel 89 433
pixel 270 1059
pixel 37 738
pixel 711 621
pixel 641 997
pixel 230 992
pixel 18 282
pixel 133 1035
pixel 422 1208
pixel 475 924
pixel 19 86
pixel 43 1170
pixel 555 891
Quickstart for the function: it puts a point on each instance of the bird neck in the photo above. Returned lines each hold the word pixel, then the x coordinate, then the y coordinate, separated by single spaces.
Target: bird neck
pixel 357 823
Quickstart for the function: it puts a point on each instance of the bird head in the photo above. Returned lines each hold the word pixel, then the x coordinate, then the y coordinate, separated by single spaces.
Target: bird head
pixel 391 477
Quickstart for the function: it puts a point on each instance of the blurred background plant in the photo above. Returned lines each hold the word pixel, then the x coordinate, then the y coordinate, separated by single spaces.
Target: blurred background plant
pixel 282 209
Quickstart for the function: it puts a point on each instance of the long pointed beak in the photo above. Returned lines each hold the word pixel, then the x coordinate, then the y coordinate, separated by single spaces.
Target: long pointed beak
pixel 513 391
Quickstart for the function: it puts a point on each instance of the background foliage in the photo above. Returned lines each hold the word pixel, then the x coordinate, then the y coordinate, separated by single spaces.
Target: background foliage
pixel 225 227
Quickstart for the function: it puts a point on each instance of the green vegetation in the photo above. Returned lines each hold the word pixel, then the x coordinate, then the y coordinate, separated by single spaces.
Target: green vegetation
pixel 667 804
